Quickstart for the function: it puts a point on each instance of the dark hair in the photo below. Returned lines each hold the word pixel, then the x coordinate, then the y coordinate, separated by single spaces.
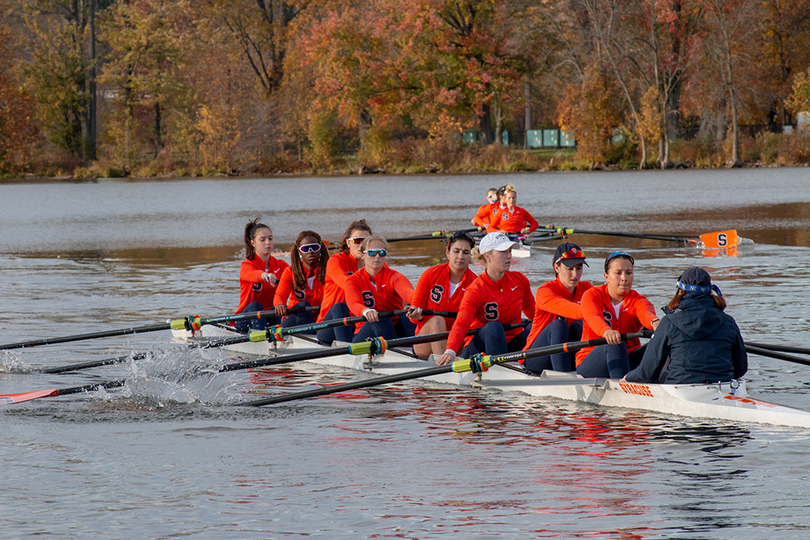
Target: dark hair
pixel 251 229
pixel 299 275
pixel 460 236
pixel 618 255
pixel 359 225
pixel 673 304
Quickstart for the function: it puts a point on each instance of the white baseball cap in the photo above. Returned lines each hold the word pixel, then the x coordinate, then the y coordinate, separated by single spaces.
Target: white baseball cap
pixel 497 242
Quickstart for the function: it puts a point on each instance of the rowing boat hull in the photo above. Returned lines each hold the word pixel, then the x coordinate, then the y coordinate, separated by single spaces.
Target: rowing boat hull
pixel 711 401
pixel 718 401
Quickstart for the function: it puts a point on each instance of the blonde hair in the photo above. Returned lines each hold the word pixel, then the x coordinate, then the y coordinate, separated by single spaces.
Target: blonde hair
pixel 371 237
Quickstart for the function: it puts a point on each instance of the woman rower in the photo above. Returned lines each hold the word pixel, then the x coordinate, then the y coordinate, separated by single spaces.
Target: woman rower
pixel 441 288
pixel 258 276
pixel 513 219
pixel 340 266
pixel 696 342
pixel 496 297
pixel 376 288
pixel 557 313
pixel 484 214
pixel 609 311
pixel 301 283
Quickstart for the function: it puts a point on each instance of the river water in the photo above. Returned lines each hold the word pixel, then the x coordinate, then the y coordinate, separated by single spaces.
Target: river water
pixel 167 457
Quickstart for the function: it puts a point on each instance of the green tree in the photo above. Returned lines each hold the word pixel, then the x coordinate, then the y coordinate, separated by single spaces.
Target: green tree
pixel 145 41
pixel 58 70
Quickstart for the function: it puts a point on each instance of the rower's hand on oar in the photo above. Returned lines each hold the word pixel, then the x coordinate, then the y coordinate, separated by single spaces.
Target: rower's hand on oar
pixel 281 310
pixel 613 337
pixel 447 358
pixel 270 278
pixel 371 315
pixel 415 313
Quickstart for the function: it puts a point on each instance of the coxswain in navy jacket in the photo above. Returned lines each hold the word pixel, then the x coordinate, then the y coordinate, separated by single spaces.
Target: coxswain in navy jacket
pixel 699 341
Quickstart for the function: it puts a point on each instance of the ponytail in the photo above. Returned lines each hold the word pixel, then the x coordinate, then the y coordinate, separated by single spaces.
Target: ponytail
pixel 359 225
pixel 251 229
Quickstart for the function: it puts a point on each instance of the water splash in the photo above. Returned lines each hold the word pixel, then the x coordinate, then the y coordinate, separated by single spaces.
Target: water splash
pixel 12 362
pixel 178 376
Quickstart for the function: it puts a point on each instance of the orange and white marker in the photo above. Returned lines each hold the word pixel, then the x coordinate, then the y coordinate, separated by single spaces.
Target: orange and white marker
pixel 719 240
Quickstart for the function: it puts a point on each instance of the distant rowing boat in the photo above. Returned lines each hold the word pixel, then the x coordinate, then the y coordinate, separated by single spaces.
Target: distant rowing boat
pixel 721 401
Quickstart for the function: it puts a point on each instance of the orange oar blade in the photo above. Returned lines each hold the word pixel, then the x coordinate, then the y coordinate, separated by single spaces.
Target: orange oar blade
pixel 719 240
pixel 8 399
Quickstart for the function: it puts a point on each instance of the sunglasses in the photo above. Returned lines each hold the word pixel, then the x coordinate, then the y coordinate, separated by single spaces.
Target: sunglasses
pixel 492 196
pixel 571 254
pixel 461 235
pixel 309 248
pixel 618 254
pixel 358 240
pixel 375 252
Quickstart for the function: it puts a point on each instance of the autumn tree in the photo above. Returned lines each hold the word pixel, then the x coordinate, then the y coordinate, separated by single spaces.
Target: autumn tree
pixel 785 30
pixel 659 59
pixel 730 46
pixel 592 111
pixel 145 42
pixel 58 70
pixel 433 62
pixel 18 129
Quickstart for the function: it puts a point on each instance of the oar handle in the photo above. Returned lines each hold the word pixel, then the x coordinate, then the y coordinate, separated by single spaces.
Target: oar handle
pixel 277 333
pixel 482 363
pixel 436 234
pixel 364 347
pixel 458 366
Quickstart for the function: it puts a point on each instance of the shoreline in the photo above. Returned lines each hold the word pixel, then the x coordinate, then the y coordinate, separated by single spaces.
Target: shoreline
pixel 599 167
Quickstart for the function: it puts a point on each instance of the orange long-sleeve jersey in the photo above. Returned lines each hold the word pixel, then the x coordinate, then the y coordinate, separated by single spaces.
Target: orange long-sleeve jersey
pixel 338 268
pixel 554 300
pixel 599 316
pixel 512 221
pixel 487 213
pixel 486 301
pixel 388 291
pixel 286 293
pixel 433 292
pixel 251 286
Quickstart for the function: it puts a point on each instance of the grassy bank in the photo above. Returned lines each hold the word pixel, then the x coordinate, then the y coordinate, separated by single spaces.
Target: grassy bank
pixel 419 156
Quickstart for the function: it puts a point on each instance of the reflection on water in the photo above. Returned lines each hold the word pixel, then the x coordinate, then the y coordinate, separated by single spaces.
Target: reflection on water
pixel 168 457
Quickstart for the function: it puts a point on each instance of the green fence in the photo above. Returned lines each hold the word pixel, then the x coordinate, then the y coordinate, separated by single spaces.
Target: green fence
pixel 550 138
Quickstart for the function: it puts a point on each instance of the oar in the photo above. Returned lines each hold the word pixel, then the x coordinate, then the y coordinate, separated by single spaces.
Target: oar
pixel 712 240
pixel 365 347
pixel 459 366
pixel 193 322
pixel 780 348
pixel 682 239
pixel 372 347
pixel 275 334
pixel 428 236
pixel 8 399
pixel 773 354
